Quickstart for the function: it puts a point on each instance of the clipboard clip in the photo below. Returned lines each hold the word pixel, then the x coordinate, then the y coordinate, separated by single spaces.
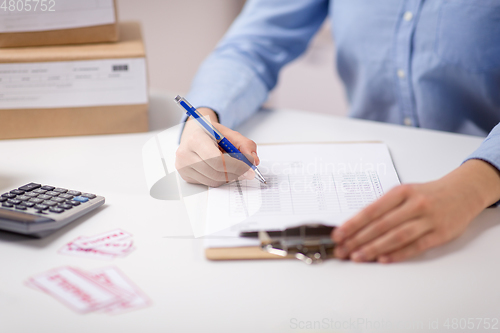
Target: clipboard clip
pixel 310 243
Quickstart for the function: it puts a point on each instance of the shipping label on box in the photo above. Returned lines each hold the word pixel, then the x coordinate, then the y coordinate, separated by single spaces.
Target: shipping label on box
pixel 46 15
pixel 66 84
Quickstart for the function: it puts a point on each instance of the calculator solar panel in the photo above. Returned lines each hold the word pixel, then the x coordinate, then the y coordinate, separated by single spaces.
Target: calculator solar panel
pixel 38 210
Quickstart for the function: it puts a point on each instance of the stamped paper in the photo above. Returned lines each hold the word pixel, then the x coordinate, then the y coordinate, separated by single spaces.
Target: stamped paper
pixel 105 290
pixel 105 246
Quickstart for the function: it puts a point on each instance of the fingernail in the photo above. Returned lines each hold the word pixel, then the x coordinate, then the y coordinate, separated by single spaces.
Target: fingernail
pixel 256 159
pixel 358 256
pixel 384 260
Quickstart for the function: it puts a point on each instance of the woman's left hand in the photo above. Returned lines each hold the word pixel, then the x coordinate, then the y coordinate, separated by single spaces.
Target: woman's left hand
pixel 411 219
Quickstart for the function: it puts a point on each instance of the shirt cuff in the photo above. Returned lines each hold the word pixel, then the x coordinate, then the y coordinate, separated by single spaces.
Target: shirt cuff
pixel 489 151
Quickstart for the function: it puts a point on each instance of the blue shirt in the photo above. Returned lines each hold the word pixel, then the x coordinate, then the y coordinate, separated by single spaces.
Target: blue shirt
pixel 433 64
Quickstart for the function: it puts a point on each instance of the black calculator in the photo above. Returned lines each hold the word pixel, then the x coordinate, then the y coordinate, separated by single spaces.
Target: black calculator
pixel 38 210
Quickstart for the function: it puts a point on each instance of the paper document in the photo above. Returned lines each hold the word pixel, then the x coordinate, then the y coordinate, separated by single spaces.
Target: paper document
pixel 35 15
pixel 322 183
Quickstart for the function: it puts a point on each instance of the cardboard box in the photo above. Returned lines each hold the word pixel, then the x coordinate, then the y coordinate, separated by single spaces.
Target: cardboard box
pixel 75 90
pixel 90 24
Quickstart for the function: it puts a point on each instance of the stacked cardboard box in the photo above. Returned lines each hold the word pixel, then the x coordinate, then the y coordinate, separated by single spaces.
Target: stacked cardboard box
pixel 78 89
pixel 50 22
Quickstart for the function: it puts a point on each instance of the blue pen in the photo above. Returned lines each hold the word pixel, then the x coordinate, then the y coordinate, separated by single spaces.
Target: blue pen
pixel 224 143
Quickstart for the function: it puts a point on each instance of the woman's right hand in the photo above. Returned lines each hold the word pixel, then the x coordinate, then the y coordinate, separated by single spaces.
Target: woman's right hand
pixel 200 161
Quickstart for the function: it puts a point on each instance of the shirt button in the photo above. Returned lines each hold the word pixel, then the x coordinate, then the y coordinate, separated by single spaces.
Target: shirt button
pixel 408 16
pixel 407 121
pixel 401 74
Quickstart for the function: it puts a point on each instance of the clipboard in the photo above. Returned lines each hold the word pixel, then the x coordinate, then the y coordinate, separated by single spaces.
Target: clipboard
pixel 309 242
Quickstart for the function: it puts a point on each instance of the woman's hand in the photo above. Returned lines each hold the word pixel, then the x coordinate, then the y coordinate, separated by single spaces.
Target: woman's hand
pixel 411 219
pixel 200 161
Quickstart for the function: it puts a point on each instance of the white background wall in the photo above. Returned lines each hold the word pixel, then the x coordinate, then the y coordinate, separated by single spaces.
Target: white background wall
pixel 179 34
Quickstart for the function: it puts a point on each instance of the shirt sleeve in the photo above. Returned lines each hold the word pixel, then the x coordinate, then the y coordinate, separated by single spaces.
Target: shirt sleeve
pixel 489 151
pixel 236 78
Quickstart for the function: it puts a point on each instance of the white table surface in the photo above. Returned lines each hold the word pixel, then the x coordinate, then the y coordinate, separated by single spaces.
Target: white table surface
pixel 192 294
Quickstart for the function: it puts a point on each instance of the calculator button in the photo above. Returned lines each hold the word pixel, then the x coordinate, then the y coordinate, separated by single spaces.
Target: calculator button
pixel 41 207
pixel 2 199
pixel 73 202
pixel 7 204
pixel 58 200
pixel 75 193
pixel 49 203
pixel 30 187
pixel 52 193
pixel 65 206
pixel 21 207
pixel 17 192
pixel 60 190
pixel 39 191
pixel 88 195
pixel 56 210
pixel 48 188
pixel 44 197
pixel 31 194
pixel 23 198
pixel 14 201
pixel 80 199
pixel 36 200
pixel 28 204
pixel 9 195
pixel 66 196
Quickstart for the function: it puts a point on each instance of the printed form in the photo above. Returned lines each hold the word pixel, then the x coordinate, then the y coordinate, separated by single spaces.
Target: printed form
pixel 306 183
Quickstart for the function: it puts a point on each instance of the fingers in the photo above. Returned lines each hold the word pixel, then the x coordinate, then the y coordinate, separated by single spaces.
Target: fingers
pixel 388 202
pixel 420 245
pixel 407 221
pixel 199 160
pixel 395 239
pixel 405 212
pixel 221 166
pixel 195 177
pixel 255 158
pixel 245 145
pixel 199 171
